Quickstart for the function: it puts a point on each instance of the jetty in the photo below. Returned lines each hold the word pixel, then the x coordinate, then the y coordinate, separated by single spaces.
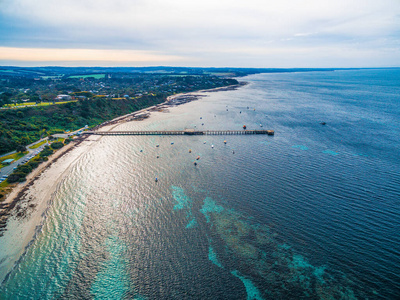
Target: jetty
pixel 181 132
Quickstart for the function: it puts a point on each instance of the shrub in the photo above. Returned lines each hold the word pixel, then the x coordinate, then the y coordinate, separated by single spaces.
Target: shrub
pixel 13 178
pixel 25 169
pixel 33 164
pixel 57 145
pixel 21 148
pixel 46 152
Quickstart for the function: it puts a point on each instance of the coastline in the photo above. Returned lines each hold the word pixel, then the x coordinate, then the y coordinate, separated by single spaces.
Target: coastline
pixel 19 191
pixel 18 201
pixel 173 100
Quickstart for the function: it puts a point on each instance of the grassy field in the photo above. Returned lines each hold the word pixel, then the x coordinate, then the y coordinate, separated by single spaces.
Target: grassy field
pixel 96 76
pixel 219 74
pixel 22 105
pixel 5 188
pixel 38 145
pixel 14 156
pixel 19 104
pixel 58 140
pixel 3 184
pixel 51 77
pixel 45 141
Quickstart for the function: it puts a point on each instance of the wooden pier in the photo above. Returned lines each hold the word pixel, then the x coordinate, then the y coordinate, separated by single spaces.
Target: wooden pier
pixel 182 132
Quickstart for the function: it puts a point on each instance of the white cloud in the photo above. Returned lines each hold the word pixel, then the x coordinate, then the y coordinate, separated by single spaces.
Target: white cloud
pixel 182 27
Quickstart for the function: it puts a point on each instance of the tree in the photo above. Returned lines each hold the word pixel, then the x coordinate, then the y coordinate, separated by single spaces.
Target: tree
pixel 24 169
pixel 21 148
pixel 35 98
pixel 13 178
pixel 5 98
pixel 57 145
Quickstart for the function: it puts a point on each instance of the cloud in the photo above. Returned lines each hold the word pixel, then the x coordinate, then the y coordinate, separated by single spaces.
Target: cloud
pixel 181 27
pixel 55 55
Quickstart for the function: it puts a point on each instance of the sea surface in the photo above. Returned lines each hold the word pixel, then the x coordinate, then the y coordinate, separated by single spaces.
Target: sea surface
pixel 312 212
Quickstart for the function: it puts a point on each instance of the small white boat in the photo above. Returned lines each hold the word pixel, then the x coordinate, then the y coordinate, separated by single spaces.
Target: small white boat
pixel 212 146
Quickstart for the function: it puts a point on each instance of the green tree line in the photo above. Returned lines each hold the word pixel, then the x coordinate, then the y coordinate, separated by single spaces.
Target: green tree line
pixel 24 126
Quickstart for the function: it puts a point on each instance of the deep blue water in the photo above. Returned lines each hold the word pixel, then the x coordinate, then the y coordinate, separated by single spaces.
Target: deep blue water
pixel 310 213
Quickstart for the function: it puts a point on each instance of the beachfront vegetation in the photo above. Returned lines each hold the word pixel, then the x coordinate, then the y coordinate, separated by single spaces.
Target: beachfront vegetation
pixel 19 174
pixel 57 145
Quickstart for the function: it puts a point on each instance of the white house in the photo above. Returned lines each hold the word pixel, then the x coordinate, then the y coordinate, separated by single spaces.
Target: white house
pixel 63 97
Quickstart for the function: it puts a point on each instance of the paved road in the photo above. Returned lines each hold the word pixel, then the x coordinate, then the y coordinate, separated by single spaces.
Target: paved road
pixel 7 170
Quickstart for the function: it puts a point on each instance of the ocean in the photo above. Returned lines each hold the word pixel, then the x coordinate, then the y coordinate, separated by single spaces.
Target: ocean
pixel 312 212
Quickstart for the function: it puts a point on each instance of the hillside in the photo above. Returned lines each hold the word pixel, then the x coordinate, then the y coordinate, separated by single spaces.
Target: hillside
pixel 24 126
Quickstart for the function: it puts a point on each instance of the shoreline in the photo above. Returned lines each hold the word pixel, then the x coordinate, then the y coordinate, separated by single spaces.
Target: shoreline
pixel 172 101
pixel 19 192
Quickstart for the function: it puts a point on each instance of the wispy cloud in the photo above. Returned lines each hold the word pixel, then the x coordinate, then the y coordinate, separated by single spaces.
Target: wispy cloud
pixel 205 32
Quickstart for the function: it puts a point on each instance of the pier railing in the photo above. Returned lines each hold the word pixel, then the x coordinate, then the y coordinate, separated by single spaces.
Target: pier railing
pixel 182 132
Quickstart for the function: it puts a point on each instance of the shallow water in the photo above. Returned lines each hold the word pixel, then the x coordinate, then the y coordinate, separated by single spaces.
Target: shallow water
pixel 312 212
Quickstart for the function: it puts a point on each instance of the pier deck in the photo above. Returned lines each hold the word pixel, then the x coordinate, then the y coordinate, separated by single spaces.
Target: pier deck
pixel 182 132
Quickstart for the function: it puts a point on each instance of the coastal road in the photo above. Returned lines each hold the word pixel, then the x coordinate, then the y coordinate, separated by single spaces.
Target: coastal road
pixel 7 170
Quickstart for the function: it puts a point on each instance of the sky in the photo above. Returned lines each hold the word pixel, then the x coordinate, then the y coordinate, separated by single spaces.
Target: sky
pixel 200 33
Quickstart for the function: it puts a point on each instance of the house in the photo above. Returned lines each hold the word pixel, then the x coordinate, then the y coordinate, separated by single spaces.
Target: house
pixel 7 161
pixel 63 97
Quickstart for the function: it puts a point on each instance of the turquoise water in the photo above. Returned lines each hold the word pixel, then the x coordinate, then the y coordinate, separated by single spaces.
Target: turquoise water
pixel 312 212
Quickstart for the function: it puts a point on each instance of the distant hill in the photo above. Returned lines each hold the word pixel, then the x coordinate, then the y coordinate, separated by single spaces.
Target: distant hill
pixel 10 71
